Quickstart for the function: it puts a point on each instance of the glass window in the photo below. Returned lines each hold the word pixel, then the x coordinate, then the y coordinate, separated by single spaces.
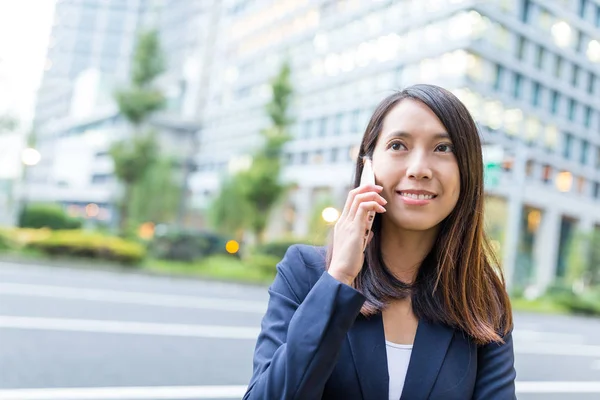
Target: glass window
pixel 354 125
pixel 512 122
pixel 532 128
pixel 335 154
pixel 558 62
pixel 580 39
pixel 572 109
pixel 554 102
pixel 539 59
pixel 87 18
pixel 591 83
pixel 547 174
pixel 581 8
pixel 307 129
pixel 575 76
pixel 568 145
pixel 517 88
pixel 492 114
pixel 551 137
pixel 498 77
pixel 323 126
pixel 337 127
pixel 596 190
pixel 580 184
pixel 520 47
pixel 545 20
pixel 535 95
pixel 584 152
pixel 588 116
pixel 525 10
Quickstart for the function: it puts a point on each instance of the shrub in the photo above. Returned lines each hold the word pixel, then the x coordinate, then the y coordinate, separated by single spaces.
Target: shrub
pixel 92 245
pixel 188 245
pixel 47 216
pixel 275 248
pixel 265 263
pixel 587 303
pixel 5 242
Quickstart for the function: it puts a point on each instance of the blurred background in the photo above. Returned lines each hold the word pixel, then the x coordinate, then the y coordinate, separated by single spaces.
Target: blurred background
pixel 143 140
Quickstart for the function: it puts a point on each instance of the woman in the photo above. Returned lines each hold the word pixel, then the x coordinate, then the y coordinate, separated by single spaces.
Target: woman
pixel 422 313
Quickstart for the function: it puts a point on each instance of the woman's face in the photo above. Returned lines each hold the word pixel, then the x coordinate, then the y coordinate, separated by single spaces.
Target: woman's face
pixel 415 163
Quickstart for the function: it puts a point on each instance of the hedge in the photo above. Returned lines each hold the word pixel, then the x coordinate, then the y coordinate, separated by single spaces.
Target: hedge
pixel 47 216
pixel 78 243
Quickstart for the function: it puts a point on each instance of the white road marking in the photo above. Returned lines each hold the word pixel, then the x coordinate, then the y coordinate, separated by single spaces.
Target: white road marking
pixel 232 332
pixel 229 392
pixel 114 296
pixel 558 349
pixel 526 335
pixel 126 393
pixel 558 387
pixel 126 327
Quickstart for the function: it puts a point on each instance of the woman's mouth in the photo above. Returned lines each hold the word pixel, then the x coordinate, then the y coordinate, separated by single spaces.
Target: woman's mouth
pixel 416 198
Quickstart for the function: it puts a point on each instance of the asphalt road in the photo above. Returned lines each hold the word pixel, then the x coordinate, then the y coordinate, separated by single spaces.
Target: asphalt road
pixel 83 334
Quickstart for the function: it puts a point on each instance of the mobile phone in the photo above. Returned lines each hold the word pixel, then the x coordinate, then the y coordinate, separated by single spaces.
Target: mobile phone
pixel 367 177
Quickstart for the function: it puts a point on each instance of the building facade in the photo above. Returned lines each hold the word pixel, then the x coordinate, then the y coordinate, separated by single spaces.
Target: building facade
pixel 89 56
pixel 528 70
pixel 86 34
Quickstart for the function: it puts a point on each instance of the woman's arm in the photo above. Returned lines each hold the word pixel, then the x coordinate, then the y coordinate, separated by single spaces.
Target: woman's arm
pixel 495 371
pixel 300 338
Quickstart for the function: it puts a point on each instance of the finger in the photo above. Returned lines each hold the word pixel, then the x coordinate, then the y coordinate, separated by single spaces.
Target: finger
pixel 362 197
pixel 356 191
pixel 364 208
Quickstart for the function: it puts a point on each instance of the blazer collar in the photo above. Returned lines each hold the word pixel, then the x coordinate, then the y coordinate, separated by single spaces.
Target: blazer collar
pixel 429 351
pixel 367 341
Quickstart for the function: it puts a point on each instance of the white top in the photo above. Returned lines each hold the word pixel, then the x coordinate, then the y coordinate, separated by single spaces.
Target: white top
pixel 398 357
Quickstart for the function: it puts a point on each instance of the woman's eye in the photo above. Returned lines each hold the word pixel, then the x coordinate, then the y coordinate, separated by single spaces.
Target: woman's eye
pixel 445 148
pixel 397 146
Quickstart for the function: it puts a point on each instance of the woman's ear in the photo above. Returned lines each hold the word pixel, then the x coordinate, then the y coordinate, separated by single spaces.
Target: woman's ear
pixel 371 234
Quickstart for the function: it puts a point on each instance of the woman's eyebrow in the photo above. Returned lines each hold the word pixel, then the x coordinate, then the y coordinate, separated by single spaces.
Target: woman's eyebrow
pixel 403 134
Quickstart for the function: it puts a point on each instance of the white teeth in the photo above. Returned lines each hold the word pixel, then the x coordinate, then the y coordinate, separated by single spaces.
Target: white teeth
pixel 417 196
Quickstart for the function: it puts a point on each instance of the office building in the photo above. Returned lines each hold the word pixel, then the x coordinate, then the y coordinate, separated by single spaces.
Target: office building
pixel 529 71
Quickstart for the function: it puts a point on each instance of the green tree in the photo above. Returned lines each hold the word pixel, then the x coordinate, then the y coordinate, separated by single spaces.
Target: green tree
pixel 134 156
pixel 260 184
pixel 594 266
pixel 156 196
pixel 8 123
pixel 577 257
pixel 229 212
pixel 247 198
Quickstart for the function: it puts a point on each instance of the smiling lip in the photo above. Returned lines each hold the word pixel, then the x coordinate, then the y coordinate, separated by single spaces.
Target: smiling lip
pixel 416 197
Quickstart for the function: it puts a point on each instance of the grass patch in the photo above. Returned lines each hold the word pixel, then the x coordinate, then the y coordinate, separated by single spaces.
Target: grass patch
pixel 541 305
pixel 217 267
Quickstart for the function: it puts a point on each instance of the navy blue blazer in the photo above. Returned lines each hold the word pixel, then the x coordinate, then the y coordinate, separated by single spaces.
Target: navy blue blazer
pixel 315 344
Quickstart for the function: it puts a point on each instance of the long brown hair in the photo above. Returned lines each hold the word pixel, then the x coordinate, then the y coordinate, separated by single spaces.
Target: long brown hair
pixel 459 282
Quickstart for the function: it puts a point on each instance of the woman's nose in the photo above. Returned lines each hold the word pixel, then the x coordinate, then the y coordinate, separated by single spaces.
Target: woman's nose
pixel 418 166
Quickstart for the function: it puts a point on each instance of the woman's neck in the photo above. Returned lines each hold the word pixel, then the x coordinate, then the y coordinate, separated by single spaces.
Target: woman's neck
pixel 404 250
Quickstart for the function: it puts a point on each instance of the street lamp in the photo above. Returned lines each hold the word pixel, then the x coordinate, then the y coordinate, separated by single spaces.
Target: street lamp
pixel 30 157
pixel 330 215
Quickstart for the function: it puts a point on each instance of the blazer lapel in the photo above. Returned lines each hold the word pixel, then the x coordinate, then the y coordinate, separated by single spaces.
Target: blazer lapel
pixel 429 350
pixel 367 341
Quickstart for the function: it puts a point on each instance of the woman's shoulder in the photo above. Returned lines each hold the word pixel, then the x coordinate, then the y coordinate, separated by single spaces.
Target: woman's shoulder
pixel 302 266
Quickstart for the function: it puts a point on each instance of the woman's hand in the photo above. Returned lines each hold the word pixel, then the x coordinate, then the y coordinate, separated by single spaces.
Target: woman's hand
pixel 349 232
